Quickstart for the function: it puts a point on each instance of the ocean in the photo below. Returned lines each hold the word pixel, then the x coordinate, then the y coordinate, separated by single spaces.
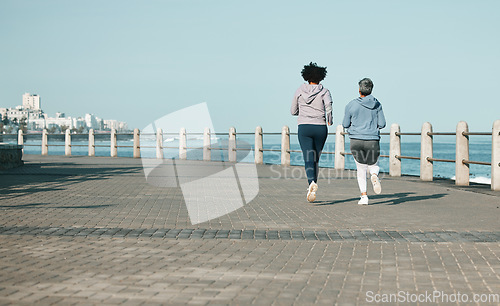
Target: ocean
pixel 444 148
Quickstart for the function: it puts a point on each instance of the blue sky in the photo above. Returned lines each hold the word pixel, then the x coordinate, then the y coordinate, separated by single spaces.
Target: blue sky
pixel 136 61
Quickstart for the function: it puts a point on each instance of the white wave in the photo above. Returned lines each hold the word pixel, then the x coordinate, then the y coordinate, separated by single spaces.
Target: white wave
pixel 478 180
pixel 481 180
pixel 203 137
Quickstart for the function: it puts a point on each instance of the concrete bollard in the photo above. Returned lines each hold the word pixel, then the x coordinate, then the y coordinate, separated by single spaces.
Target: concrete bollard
pixel 207 152
pixel 231 146
pixel 258 154
pixel 339 148
pixel 67 143
pixel 20 138
pixel 182 144
pixel 159 144
pixel 114 148
pixel 45 143
pixel 285 146
pixel 495 156
pixel 91 143
pixel 137 144
pixel 394 151
pixel 461 154
pixel 426 166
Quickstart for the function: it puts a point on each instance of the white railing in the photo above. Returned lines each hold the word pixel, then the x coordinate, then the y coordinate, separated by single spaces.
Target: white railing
pixel 426 158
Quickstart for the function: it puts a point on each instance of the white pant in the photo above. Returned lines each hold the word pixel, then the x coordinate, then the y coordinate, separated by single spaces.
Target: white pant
pixel 362 169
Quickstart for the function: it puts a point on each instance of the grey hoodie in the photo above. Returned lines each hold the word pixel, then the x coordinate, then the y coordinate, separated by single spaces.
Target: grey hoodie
pixel 363 118
pixel 313 105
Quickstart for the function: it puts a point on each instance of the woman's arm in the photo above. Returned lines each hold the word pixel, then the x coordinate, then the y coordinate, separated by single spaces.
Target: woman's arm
pixel 381 118
pixel 347 117
pixel 295 105
pixel 328 103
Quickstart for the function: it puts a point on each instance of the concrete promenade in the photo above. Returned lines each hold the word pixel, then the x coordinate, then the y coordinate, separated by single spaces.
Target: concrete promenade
pixel 80 230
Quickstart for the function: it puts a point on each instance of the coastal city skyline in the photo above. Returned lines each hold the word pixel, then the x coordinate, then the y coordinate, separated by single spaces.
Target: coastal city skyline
pixel 30 116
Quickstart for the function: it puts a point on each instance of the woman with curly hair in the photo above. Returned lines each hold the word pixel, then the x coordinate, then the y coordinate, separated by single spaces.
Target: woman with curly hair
pixel 313 104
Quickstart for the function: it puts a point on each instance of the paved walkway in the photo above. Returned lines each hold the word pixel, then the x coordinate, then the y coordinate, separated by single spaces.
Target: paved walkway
pixel 79 230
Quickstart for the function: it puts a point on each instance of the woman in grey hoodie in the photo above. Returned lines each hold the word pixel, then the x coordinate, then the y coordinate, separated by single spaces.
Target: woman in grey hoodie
pixel 364 118
pixel 313 104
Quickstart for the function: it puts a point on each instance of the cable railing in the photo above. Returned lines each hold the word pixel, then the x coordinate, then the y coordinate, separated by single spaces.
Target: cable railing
pixel 462 159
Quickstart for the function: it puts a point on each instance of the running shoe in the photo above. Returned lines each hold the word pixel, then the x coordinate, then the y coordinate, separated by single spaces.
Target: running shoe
pixel 377 188
pixel 363 200
pixel 311 192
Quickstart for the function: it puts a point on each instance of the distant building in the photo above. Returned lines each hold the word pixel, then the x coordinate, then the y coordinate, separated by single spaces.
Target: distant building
pixel 29 110
pixel 17 113
pixel 58 122
pixel 115 124
pixel 31 101
pixel 110 124
pixel 92 122
pixel 79 123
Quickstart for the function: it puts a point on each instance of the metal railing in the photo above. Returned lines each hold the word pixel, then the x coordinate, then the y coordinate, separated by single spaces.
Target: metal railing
pixel 462 160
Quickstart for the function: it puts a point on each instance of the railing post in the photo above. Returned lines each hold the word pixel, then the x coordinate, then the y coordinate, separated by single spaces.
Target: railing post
pixel 426 166
pixel 231 147
pixel 495 156
pixel 45 143
pixel 114 151
pixel 207 154
pixel 67 143
pixel 258 154
pixel 395 151
pixel 137 144
pixel 182 144
pixel 285 146
pixel 20 138
pixel 91 143
pixel 159 143
pixel 339 148
pixel 462 153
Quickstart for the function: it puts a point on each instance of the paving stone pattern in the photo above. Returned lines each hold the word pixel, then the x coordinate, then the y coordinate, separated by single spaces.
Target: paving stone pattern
pixel 85 230
pixel 341 235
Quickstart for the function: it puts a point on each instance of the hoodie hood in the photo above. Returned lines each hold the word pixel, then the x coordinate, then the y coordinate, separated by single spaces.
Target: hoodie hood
pixel 310 92
pixel 369 102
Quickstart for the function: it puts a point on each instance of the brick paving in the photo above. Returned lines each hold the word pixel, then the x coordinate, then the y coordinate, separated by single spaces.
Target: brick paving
pixel 85 230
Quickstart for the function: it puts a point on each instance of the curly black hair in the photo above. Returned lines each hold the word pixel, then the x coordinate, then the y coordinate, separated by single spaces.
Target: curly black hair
pixel 313 73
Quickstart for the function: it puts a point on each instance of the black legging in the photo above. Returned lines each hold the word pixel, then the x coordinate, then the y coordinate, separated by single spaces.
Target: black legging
pixel 312 138
pixel 365 152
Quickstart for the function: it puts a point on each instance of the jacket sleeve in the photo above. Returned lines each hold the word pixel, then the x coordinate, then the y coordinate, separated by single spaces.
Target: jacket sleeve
pixel 381 118
pixel 295 105
pixel 347 117
pixel 328 103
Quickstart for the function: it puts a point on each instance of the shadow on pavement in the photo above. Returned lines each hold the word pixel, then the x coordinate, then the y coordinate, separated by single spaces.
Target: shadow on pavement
pixel 388 199
pixel 50 205
pixel 35 178
pixel 407 198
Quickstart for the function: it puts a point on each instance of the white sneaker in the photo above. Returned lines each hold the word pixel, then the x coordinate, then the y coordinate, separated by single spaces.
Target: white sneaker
pixel 311 192
pixel 377 188
pixel 363 200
